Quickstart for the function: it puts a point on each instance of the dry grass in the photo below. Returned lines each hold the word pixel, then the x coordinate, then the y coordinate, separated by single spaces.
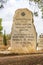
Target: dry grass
pixel 3 47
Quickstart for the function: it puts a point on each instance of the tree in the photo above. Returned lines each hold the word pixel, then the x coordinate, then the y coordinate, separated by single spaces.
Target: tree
pixel 1 28
pixel 2 2
pixel 8 36
pixel 39 4
pixel 4 39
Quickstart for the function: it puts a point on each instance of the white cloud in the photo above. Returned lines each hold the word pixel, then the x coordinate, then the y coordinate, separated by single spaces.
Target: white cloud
pixel 7 26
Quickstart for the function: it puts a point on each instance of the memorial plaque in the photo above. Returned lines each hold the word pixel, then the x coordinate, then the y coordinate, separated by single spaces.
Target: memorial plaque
pixel 23 38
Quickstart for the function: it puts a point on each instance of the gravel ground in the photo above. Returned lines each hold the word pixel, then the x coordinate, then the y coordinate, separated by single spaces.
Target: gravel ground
pixel 33 59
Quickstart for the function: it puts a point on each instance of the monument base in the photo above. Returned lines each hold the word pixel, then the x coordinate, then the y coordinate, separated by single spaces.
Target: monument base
pixel 20 49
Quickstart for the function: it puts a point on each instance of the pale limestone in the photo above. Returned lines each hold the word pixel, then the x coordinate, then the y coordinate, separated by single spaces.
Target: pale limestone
pixel 40 42
pixel 23 35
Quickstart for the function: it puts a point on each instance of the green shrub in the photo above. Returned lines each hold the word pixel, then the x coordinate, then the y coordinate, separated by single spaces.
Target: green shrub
pixel 4 39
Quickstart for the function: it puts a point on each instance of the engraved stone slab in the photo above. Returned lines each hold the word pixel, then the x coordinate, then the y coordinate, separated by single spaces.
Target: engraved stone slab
pixel 40 42
pixel 23 36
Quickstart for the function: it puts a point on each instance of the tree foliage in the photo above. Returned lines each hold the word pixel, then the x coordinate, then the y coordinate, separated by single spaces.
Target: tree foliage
pixel 1 28
pixel 39 4
pixel 4 39
pixel 2 2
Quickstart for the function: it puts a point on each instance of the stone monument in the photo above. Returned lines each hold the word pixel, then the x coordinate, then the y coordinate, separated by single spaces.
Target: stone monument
pixel 23 35
pixel 40 42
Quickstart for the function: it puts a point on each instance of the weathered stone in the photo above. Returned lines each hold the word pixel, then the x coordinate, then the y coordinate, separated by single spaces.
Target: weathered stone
pixel 23 37
pixel 40 42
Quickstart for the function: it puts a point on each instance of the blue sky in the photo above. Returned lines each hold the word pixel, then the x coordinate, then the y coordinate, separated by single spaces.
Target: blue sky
pixel 9 9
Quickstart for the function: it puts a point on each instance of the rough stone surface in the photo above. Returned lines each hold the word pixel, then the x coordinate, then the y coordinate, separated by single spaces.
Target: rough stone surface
pixel 40 42
pixel 23 37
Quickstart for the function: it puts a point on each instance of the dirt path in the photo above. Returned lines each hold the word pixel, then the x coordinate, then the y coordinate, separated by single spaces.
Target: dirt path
pixel 34 59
